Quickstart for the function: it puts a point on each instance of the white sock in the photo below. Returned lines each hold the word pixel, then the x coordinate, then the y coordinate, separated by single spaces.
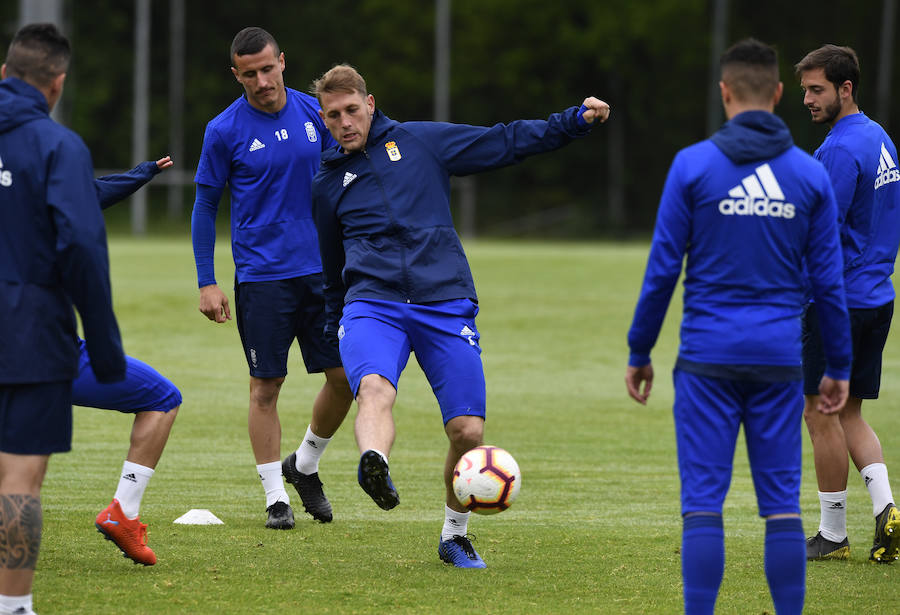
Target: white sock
pixel 270 476
pixel 131 487
pixel 455 523
pixel 309 452
pixel 9 604
pixel 383 456
pixel 875 476
pixel 833 520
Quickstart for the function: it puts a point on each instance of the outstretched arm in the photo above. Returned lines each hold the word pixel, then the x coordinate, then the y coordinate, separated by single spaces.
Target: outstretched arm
pixel 113 188
pixel 594 110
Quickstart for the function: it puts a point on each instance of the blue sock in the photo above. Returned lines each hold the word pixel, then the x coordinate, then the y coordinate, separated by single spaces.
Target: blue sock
pixel 702 562
pixel 786 564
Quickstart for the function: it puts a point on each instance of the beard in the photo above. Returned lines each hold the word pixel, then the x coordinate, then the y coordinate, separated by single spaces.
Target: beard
pixel 830 112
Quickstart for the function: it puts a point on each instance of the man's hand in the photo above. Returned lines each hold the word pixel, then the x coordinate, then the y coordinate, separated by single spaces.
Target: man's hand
pixel 164 163
pixel 832 395
pixel 634 377
pixel 597 110
pixel 214 303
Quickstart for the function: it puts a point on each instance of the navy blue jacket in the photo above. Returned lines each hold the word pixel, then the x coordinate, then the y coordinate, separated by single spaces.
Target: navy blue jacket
pixel 383 214
pixel 747 208
pixel 119 186
pixel 52 248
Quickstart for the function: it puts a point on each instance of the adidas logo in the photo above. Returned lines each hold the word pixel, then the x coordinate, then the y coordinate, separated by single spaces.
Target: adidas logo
pixel 868 480
pixel 130 477
pixel 836 506
pixel 257 144
pixel 6 176
pixel 468 334
pixel 312 444
pixel 348 177
pixel 757 195
pixel 887 169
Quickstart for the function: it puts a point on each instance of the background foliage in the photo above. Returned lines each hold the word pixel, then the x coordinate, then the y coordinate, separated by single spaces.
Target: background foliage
pixel 510 59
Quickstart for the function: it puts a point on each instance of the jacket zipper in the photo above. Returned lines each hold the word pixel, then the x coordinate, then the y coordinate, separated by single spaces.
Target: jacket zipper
pixel 403 264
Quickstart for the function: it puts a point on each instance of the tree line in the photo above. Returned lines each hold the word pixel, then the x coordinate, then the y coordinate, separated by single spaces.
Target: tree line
pixel 510 59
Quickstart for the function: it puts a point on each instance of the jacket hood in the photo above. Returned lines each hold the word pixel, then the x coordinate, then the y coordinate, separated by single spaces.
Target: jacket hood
pixel 753 135
pixel 20 103
pixel 380 125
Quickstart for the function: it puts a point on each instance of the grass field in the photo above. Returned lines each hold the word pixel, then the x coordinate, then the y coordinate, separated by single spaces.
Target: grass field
pixel 596 528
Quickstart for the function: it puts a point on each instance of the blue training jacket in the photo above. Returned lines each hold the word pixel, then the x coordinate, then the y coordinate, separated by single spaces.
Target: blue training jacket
pixel 862 162
pixel 746 207
pixel 53 250
pixel 116 187
pixel 383 214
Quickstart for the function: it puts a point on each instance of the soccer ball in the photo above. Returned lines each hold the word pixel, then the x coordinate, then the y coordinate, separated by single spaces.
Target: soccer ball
pixel 486 480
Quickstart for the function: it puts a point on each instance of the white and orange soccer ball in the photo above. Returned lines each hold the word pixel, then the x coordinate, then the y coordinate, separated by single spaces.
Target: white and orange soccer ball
pixel 486 480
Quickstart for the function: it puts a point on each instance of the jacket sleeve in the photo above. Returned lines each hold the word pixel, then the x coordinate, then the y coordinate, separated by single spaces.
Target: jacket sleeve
pixel 82 254
pixel 824 261
pixel 331 249
pixel 113 188
pixel 465 149
pixel 670 239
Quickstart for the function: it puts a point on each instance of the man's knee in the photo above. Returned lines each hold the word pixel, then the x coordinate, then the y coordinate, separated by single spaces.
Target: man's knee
pixel 465 432
pixel 22 473
pixel 336 382
pixel 375 391
pixel 265 387
pixel 818 422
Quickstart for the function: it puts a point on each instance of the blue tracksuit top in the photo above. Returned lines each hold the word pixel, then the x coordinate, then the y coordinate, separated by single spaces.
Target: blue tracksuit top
pixel 747 207
pixel 116 187
pixel 862 162
pixel 53 250
pixel 383 214
pixel 268 161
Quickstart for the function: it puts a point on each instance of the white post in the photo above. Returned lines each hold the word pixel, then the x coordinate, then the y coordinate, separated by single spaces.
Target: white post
pixel 176 106
pixel 139 130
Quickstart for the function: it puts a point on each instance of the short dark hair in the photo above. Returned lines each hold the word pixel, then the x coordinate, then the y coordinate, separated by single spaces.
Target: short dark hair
pixel 38 53
pixel 750 70
pixel 840 64
pixel 252 40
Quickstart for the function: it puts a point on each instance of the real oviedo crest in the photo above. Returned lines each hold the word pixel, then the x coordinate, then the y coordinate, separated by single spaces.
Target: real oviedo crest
pixel 392 151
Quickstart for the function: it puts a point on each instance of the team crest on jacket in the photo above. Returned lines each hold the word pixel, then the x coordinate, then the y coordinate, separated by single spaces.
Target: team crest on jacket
pixel 393 151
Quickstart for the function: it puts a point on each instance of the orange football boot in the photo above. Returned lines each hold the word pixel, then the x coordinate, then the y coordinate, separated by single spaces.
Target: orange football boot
pixel 130 535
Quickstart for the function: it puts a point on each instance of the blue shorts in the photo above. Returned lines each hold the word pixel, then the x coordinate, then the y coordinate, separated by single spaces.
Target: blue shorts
pixel 271 315
pixel 708 414
pixel 36 419
pixel 869 329
pixel 143 388
pixel 376 337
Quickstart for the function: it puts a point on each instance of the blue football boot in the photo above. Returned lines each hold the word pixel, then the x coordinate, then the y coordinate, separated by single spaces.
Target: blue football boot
pixel 460 552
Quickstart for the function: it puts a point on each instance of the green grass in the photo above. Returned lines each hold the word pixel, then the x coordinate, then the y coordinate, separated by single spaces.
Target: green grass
pixel 596 528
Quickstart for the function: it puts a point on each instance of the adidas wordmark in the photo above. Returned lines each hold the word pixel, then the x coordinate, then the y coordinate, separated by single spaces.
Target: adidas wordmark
pixel 887 169
pixel 758 194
